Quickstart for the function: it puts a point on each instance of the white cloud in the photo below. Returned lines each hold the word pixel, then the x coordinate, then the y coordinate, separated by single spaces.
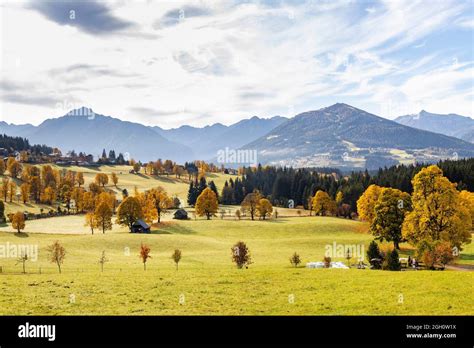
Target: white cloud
pixel 220 62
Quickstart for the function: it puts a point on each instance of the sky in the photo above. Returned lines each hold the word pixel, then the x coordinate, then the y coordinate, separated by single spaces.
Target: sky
pixel 169 63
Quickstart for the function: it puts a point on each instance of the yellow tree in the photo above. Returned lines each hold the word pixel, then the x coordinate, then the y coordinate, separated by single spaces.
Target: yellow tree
pixel 78 196
pixel 129 211
pixel 88 201
pixel 48 196
pixel 206 204
pixel 389 213
pixel 12 190
pixel 264 208
pixel 161 201
pixel 467 201
pixel 438 213
pixel 14 167
pixel 5 188
pixel 80 179
pixel 101 179
pixel 323 204
pixel 114 179
pixel 366 203
pixel 18 221
pixel 339 198
pixel 103 216
pixel 250 202
pixel 91 221
pixel 147 205
pixel 25 192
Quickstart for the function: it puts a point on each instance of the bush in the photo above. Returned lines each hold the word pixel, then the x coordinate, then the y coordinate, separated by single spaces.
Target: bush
pixel 241 255
pixel 295 260
pixel 443 253
pixel 327 262
pixel 374 253
pixel 392 262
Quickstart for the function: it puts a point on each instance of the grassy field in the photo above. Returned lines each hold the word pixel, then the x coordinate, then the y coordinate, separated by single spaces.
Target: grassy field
pixel 208 283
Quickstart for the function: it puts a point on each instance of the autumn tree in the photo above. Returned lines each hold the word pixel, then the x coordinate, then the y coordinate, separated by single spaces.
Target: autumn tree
pixel 176 257
pixel 161 201
pixel 339 198
pixel 241 255
pixel 12 190
pixel 2 167
pixel 114 179
pixel 14 167
pixel 144 254
pixel 389 213
pixel 264 208
pixel 18 221
pixel 25 192
pixel 438 212
pixel 129 211
pixel 91 221
pixel 88 201
pixel 323 204
pixel 366 203
pixel 206 204
pixel 101 179
pixel 80 179
pixel 250 202
pixel 5 188
pixel 48 196
pixel 103 216
pixel 57 253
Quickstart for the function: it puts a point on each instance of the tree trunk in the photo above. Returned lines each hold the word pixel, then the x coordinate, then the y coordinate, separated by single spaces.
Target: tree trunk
pixel 396 244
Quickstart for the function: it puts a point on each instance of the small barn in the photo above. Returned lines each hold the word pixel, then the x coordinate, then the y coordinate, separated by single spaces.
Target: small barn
pixel 140 226
pixel 181 214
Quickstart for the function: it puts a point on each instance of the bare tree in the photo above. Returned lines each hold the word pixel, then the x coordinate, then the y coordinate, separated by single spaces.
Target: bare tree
pixel 57 253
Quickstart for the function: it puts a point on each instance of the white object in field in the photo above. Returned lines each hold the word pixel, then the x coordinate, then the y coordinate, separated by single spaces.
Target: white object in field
pixel 319 264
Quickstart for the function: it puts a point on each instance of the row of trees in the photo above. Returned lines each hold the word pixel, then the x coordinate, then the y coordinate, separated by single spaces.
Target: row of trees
pixel 280 185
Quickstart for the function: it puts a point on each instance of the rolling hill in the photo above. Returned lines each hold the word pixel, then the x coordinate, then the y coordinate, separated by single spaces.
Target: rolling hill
pixel 461 127
pixel 343 136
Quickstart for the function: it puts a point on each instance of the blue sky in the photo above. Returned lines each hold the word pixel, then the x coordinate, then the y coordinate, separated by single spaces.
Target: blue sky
pixel 169 63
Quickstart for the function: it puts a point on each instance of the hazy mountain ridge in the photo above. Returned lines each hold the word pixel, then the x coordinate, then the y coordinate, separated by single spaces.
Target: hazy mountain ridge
pixel 458 126
pixel 206 141
pixel 84 130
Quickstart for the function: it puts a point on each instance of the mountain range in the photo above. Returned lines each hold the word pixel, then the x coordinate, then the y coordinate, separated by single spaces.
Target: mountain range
pixel 207 141
pixel 337 136
pixel 346 137
pixel 458 126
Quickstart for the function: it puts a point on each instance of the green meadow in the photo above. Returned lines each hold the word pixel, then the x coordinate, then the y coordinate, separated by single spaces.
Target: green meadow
pixel 207 282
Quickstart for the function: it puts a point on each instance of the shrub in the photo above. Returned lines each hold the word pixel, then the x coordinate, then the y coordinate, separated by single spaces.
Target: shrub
pixel 327 262
pixel 241 255
pixel 443 253
pixel 295 260
pixel 373 252
pixel 392 262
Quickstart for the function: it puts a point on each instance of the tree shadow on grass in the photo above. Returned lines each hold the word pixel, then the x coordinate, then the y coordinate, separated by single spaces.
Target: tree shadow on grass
pixel 21 235
pixel 173 229
pixel 466 257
